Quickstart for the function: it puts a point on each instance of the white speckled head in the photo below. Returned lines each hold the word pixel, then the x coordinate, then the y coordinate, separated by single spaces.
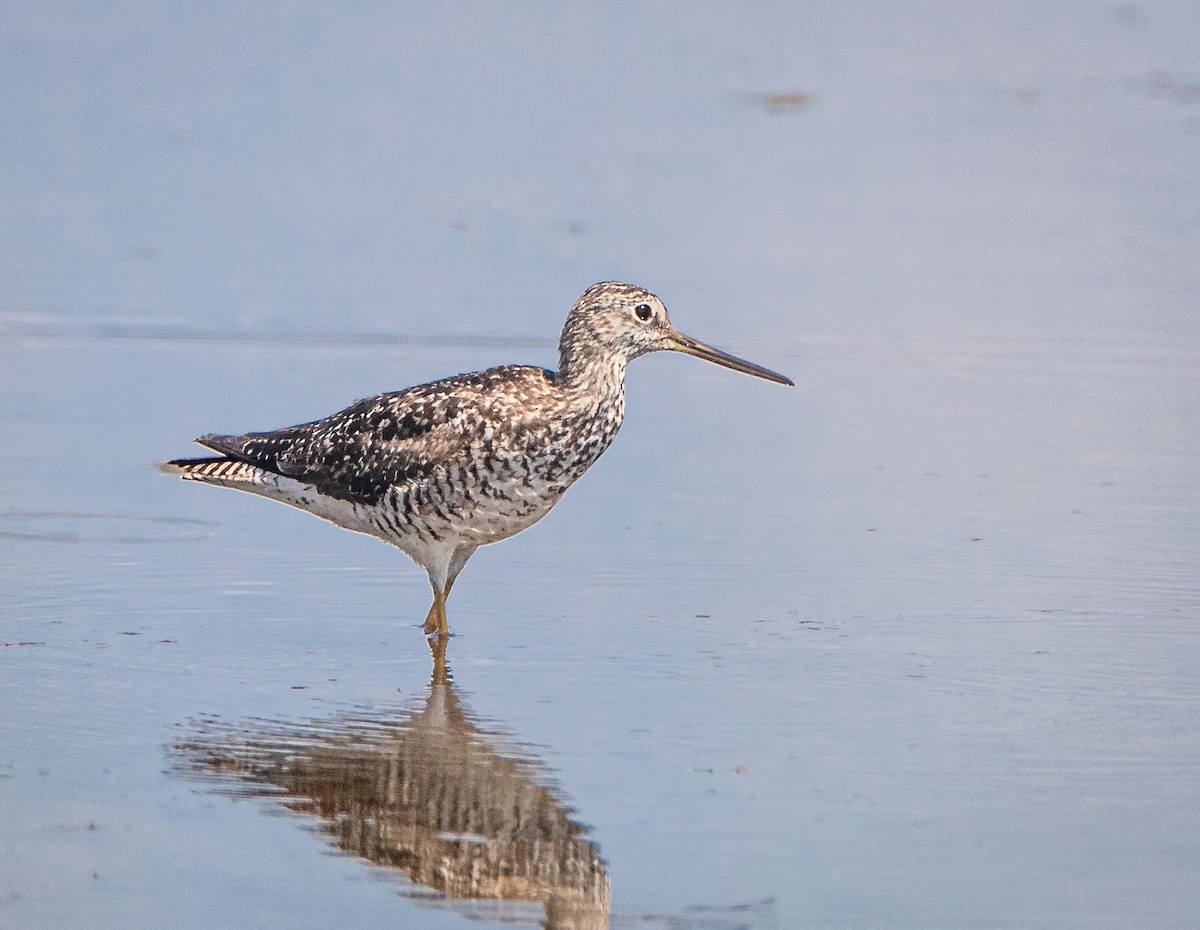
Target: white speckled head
pixel 614 323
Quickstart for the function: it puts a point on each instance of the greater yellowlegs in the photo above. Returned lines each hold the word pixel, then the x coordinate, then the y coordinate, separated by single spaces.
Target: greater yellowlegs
pixel 440 469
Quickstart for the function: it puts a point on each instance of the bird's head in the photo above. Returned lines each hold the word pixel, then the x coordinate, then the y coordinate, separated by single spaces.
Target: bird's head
pixel 619 322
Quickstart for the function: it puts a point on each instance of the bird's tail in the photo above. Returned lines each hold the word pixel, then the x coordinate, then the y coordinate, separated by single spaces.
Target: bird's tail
pixel 227 472
pixel 220 470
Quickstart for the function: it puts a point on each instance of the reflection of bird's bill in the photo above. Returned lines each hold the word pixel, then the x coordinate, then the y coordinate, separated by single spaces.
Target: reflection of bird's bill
pixel 689 346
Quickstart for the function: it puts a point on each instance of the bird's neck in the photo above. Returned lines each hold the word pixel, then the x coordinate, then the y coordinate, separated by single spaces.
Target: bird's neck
pixel 598 374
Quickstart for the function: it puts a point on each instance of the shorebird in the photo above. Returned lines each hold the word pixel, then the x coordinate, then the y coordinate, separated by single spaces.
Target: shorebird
pixel 440 469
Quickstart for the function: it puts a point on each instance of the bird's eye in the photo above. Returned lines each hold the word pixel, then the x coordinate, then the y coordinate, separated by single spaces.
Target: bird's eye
pixel 643 312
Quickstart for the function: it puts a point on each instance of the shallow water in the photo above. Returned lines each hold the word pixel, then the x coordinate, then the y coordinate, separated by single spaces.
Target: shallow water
pixel 912 645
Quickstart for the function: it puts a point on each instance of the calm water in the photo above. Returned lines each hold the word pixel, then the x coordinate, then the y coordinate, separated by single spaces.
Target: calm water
pixel 913 645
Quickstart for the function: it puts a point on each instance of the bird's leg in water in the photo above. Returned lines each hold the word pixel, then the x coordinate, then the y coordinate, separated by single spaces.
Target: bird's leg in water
pixel 435 620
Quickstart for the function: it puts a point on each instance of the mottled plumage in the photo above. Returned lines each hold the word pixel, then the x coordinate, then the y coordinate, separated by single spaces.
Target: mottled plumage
pixel 443 468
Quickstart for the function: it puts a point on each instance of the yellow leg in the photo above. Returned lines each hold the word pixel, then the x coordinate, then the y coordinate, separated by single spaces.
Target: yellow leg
pixel 435 620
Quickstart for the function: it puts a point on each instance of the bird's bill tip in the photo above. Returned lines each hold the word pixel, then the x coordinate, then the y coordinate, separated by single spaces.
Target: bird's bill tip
pixel 689 346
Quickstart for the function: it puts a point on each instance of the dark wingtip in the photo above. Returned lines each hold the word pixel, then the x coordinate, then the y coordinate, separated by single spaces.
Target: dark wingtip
pixel 226 445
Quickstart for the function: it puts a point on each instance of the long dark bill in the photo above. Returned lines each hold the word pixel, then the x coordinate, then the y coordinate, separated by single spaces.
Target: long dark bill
pixel 690 346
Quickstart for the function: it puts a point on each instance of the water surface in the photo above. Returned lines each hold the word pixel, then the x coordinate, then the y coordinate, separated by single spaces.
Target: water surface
pixel 911 645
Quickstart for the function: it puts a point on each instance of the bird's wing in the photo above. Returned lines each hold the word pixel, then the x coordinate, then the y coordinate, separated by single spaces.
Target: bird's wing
pixel 375 444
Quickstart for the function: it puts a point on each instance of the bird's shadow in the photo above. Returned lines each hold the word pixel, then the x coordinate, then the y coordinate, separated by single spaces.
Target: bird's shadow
pixel 469 816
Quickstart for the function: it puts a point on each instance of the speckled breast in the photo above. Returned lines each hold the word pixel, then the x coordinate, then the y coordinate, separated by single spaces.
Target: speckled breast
pixel 509 481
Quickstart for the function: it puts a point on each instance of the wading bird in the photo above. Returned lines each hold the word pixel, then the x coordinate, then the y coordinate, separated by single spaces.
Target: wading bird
pixel 440 469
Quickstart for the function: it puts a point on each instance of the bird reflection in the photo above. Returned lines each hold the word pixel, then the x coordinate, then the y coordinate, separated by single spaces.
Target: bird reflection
pixel 426 791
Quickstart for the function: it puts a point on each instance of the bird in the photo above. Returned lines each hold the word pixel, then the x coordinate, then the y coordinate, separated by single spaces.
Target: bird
pixel 440 469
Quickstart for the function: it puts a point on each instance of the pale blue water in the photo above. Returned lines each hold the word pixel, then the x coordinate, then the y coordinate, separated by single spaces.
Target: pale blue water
pixel 912 645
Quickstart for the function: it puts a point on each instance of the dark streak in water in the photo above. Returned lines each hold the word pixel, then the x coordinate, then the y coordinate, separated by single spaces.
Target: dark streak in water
pixel 185 334
pixel 94 537
pixel 788 100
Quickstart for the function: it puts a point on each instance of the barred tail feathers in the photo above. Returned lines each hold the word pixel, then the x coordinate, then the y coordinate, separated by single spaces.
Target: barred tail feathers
pixel 223 470
pixel 226 472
